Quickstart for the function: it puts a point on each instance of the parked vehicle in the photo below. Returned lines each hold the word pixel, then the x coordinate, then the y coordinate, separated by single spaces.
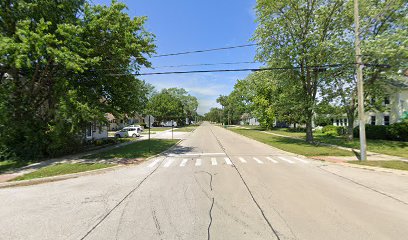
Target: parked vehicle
pixel 136 126
pixel 128 132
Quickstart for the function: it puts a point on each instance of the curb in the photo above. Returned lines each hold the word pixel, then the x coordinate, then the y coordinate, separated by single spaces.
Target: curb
pixel 79 174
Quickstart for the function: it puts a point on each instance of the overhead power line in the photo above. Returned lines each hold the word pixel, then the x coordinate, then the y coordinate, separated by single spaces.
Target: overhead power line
pixel 319 67
pixel 204 64
pixel 205 50
pixel 182 65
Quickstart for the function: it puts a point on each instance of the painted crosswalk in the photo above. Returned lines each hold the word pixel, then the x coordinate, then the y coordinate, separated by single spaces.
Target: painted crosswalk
pixel 181 161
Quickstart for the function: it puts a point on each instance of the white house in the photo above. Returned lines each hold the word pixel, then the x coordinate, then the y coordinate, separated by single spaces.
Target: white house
pixel 395 105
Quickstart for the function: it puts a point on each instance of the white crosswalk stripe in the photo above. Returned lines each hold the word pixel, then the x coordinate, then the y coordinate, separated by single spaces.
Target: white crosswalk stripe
pixel 183 163
pixel 286 160
pixel 301 160
pixel 152 164
pixel 272 160
pixel 257 160
pixel 198 162
pixel 228 161
pixel 242 159
pixel 168 163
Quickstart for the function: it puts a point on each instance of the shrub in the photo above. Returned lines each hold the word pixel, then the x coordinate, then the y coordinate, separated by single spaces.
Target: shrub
pixel 398 131
pixel 333 130
pixel 143 125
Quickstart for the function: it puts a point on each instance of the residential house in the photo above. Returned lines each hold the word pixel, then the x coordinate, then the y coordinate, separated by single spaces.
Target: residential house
pixel 96 131
pixel 395 106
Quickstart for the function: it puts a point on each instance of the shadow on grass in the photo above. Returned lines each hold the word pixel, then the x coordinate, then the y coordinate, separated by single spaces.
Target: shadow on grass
pixel 9 166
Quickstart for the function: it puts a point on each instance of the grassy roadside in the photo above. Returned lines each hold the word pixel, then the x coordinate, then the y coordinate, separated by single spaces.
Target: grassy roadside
pixel 62 169
pixel 384 164
pixel 394 148
pixel 140 149
pixel 297 146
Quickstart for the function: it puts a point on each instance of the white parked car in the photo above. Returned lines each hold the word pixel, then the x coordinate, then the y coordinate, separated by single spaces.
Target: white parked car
pixel 128 132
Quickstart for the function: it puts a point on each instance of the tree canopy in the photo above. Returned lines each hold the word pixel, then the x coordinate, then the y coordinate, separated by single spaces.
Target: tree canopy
pixel 64 64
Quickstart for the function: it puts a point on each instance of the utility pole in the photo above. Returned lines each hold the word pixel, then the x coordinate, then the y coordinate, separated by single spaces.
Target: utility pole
pixel 360 87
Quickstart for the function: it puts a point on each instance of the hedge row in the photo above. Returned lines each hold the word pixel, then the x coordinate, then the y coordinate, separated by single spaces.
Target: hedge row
pixel 396 131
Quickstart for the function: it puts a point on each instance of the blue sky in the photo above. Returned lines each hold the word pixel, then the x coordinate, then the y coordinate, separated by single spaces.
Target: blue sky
pixel 186 25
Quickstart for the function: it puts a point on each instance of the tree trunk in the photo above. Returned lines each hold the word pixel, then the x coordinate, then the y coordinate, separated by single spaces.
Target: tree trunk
pixel 350 126
pixel 309 132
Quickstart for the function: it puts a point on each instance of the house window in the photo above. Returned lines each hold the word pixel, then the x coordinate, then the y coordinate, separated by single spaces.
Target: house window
pixel 387 100
pixel 372 120
pixel 337 122
pixel 386 120
pixel 345 122
pixel 341 122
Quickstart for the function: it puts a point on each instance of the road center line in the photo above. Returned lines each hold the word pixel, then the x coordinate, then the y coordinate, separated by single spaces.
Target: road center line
pixel 183 163
pixel 257 160
pixel 228 161
pixel 213 161
pixel 169 162
pixel 271 159
pixel 286 160
pixel 152 164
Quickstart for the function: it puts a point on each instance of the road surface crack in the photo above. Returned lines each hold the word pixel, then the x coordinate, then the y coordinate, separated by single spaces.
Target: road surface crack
pixel 156 223
pixel 210 198
pixel 209 225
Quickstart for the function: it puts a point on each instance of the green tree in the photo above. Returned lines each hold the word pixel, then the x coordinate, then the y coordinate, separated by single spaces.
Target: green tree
pixel 54 61
pixel 299 34
pixel 173 104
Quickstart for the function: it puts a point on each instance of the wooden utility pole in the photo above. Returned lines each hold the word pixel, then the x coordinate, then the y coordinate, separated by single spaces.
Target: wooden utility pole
pixel 360 85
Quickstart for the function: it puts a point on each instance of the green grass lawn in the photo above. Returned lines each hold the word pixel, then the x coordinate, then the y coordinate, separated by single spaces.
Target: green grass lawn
pixel 158 129
pixel 297 146
pixel 61 169
pixel 394 148
pixel 384 164
pixel 139 149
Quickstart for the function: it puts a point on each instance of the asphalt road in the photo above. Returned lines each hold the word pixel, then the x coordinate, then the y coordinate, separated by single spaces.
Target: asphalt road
pixel 214 185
